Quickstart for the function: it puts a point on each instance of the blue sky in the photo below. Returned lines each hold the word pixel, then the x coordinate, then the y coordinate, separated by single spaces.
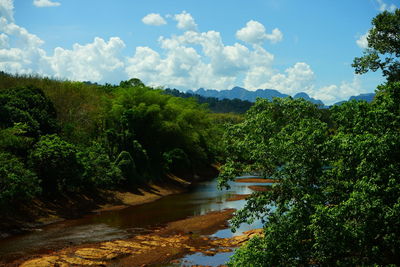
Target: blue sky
pixel 291 46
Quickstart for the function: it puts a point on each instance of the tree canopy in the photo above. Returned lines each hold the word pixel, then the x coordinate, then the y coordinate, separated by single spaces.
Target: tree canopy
pixel 383 50
pixel 337 200
pixel 338 196
pixel 67 137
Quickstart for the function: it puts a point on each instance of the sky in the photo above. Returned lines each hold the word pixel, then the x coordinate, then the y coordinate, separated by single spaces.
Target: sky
pixel 288 45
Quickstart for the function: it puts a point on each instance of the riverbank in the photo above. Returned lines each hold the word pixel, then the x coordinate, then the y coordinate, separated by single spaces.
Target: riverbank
pixel 256 180
pixel 44 211
pixel 162 246
pixel 28 216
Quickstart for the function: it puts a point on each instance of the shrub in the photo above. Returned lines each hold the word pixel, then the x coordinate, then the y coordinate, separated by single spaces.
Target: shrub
pixel 128 168
pixel 176 160
pixel 16 181
pixel 100 171
pixel 57 164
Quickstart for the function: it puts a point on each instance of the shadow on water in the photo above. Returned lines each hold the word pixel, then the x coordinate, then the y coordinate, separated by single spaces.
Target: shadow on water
pixel 109 225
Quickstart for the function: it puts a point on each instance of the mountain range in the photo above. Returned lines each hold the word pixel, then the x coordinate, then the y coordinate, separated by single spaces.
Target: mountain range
pixel 244 94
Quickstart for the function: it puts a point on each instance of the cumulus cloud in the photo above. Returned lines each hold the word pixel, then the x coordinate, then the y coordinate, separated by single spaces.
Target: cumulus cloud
pixel 190 60
pixel 45 3
pixel 185 21
pixel 333 93
pixel 97 61
pixel 7 10
pixel 216 65
pixel 22 52
pixel 154 19
pixel 386 7
pixel 297 78
pixel 254 33
pixel 4 41
pixel 362 42
pixel 182 66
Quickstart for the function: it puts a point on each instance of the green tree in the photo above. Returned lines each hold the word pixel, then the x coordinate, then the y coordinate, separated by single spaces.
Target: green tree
pixel 337 201
pixel 176 161
pixel 149 124
pixel 134 82
pixel 56 163
pixel 127 166
pixel 16 181
pixel 99 170
pixel 383 50
pixel 15 141
pixel 30 106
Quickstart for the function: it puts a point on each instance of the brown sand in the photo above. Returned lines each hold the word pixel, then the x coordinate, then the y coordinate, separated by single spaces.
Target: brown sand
pixel 238 197
pixel 260 188
pixel 256 180
pixel 161 246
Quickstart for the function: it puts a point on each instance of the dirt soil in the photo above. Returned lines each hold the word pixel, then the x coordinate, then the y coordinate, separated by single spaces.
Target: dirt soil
pixel 162 246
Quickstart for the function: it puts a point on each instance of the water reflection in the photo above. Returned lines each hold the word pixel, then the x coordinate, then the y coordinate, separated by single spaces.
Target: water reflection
pixel 124 223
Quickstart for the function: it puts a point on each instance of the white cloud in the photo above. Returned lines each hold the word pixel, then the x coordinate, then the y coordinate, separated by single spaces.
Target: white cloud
pixel 187 61
pixel 154 20
pixel 333 93
pixel 6 10
pixel 97 61
pixel 4 41
pixel 45 3
pixel 182 66
pixel 298 78
pixel 185 21
pixel 255 33
pixel 215 66
pixel 362 42
pixel 20 51
pixel 386 7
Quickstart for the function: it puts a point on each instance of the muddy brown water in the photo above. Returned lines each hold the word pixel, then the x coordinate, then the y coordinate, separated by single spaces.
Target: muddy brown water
pixel 125 223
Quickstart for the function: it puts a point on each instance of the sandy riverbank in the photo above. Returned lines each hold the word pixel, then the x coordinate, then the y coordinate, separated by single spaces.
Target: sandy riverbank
pixel 164 245
pixel 40 212
pixel 255 180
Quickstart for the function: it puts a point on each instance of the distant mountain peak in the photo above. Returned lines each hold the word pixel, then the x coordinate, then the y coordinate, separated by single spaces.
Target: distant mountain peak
pixel 244 94
pixel 238 88
pixel 308 98
pixel 301 95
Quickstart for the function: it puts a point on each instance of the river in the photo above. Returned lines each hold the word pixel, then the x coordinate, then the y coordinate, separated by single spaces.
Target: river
pixel 124 223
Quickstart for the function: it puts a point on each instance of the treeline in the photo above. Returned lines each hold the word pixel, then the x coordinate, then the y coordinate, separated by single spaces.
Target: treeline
pixel 62 136
pixel 216 105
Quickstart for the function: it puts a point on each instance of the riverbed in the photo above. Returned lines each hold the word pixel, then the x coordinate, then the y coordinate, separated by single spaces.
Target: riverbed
pixel 131 221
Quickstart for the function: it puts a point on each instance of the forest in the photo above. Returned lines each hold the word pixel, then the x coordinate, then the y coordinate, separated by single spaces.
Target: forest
pixel 62 136
pixel 337 199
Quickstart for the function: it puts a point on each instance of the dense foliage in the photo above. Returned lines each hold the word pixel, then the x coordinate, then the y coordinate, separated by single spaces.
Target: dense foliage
pixel 338 197
pixel 337 200
pixel 69 137
pixel 383 50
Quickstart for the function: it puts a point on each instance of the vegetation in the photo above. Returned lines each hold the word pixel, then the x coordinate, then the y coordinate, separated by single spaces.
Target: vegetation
pixel 216 105
pixel 67 137
pixel 338 197
pixel 383 50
